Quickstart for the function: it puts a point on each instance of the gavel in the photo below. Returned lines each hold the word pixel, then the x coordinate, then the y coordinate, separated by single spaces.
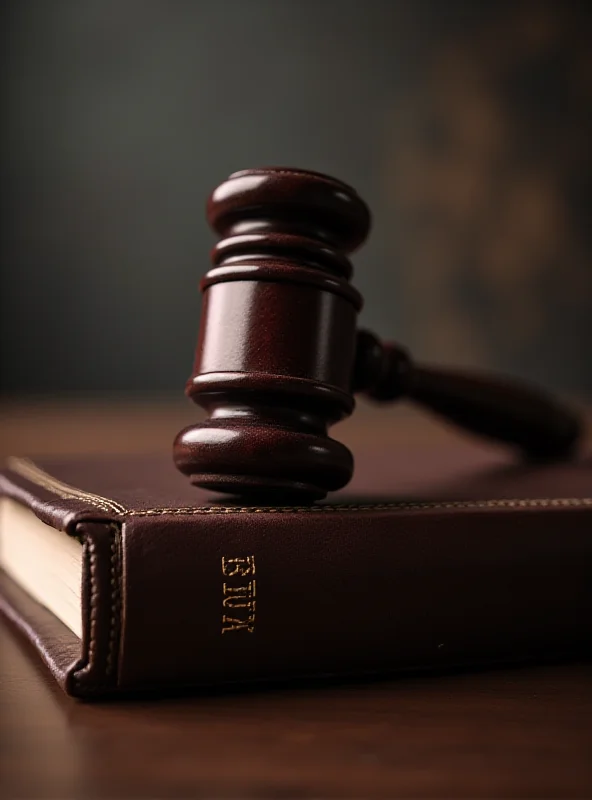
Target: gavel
pixel 279 358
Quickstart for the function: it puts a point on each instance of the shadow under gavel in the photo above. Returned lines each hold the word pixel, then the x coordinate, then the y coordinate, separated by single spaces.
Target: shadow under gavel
pixel 279 358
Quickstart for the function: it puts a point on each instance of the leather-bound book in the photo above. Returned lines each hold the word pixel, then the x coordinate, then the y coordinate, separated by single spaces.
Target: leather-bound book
pixel 124 577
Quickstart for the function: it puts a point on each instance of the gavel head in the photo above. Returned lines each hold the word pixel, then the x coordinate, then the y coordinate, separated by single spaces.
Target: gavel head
pixel 275 354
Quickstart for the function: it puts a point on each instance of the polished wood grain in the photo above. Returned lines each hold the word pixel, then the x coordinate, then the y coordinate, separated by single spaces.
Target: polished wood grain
pixel 279 358
pixel 513 733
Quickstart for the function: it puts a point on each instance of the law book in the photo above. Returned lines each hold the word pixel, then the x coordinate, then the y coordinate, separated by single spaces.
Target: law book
pixel 125 578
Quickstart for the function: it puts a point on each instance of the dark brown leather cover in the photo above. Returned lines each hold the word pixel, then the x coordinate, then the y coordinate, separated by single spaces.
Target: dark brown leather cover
pixel 433 558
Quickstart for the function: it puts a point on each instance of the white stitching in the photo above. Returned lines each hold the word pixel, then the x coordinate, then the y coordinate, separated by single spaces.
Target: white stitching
pixel 33 473
pixel 36 475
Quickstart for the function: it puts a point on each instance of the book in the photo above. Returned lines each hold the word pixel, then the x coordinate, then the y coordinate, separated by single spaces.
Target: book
pixel 126 578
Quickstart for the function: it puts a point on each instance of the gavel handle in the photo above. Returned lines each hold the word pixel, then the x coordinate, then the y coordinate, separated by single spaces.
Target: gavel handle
pixel 496 408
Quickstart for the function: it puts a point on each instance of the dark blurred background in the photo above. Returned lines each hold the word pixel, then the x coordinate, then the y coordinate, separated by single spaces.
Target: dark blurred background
pixel 466 127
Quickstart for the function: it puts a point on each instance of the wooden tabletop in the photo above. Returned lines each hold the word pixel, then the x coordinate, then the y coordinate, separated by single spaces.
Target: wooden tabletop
pixel 511 733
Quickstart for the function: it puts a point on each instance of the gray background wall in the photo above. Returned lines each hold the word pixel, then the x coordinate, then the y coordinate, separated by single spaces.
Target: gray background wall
pixel 466 127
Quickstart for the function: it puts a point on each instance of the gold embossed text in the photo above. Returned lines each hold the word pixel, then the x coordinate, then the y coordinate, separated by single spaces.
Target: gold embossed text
pixel 239 590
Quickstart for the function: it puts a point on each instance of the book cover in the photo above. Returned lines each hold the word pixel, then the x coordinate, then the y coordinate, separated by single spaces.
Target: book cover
pixel 433 558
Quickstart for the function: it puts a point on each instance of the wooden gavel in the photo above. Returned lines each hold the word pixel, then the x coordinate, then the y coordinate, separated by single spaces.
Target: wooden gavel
pixel 279 359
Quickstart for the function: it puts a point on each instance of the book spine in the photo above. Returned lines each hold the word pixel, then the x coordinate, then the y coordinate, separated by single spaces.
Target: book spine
pixel 265 595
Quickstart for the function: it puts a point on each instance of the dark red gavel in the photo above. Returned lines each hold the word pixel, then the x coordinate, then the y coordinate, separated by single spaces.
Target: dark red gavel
pixel 279 358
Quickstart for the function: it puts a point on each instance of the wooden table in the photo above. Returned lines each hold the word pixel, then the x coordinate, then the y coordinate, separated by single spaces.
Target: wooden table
pixel 509 733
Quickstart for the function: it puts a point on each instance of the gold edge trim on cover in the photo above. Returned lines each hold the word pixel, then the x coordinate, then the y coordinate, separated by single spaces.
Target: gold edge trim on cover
pixel 35 474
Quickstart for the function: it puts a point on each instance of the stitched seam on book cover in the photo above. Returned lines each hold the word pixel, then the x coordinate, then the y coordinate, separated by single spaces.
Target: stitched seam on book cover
pixel 91 577
pixel 115 599
pixel 35 474
pixel 110 660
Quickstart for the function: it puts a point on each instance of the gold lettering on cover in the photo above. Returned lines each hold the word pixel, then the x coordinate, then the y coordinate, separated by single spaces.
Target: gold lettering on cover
pixel 238 595
pixel 236 624
pixel 243 566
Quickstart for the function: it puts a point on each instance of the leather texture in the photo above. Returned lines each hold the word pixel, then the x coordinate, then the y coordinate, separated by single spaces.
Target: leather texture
pixel 455 558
